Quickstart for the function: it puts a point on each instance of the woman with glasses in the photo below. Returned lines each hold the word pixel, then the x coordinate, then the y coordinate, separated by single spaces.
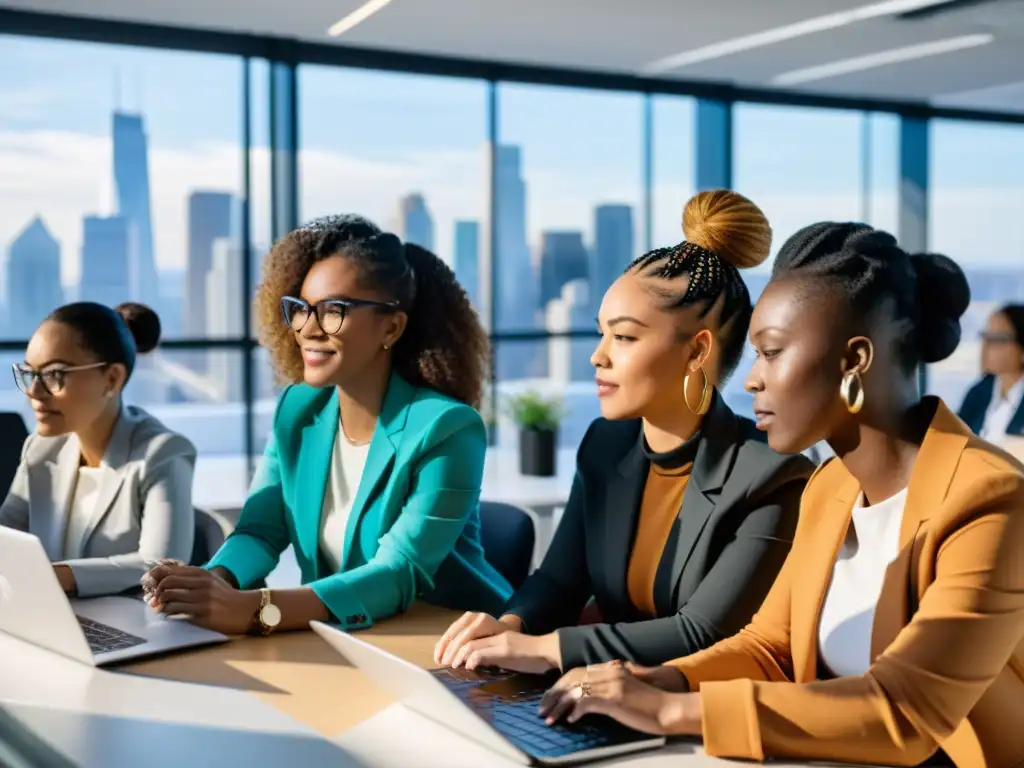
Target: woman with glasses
pixel 105 487
pixel 373 468
pixel 994 407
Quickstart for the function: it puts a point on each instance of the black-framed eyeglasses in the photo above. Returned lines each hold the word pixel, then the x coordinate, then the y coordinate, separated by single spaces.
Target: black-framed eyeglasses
pixel 330 313
pixel 997 338
pixel 52 380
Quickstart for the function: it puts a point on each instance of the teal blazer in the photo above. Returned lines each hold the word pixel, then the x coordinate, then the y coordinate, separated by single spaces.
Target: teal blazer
pixel 414 528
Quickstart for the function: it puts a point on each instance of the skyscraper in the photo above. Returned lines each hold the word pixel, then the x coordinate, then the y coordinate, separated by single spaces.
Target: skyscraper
pixel 414 223
pixel 613 247
pixel 467 258
pixel 211 217
pixel 563 258
pixel 131 185
pixel 515 293
pixel 569 358
pixel 224 315
pixel 31 279
pixel 108 243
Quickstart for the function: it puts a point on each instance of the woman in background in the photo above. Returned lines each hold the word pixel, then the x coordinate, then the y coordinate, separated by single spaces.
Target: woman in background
pixel 376 455
pixel 105 487
pixel 994 407
pixel 894 634
pixel 679 517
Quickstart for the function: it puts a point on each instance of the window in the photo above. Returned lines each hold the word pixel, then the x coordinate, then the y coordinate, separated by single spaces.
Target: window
pixel 673 166
pixel 569 201
pixel 406 151
pixel 112 189
pixel 800 165
pixel 975 204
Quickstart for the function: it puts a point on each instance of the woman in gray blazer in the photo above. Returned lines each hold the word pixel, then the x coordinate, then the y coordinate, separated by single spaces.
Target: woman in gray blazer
pixel 105 487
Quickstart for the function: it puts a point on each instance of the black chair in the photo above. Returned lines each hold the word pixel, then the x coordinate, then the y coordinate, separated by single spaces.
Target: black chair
pixel 13 434
pixel 211 531
pixel 508 538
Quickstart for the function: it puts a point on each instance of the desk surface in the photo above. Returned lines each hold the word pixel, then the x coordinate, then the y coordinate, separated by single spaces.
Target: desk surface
pixel 300 675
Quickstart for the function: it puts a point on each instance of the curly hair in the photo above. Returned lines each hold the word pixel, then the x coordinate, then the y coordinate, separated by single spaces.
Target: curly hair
pixel 444 346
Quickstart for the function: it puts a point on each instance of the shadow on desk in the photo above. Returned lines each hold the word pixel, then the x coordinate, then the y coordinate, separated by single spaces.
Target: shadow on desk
pixel 104 741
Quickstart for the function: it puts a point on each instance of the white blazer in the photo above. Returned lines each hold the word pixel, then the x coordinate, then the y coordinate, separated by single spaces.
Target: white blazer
pixel 143 508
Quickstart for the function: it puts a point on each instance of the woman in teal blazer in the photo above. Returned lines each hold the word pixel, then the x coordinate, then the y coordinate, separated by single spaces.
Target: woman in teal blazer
pixel 373 468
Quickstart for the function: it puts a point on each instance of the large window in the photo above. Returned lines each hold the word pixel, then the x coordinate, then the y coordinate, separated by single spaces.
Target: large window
pixel 569 206
pixel 975 217
pixel 407 151
pixel 122 183
pixel 673 168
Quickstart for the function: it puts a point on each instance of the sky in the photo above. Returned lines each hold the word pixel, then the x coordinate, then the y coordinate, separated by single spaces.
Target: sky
pixel 369 137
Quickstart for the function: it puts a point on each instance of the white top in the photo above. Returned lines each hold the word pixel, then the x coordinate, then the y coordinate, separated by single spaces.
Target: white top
pixel 1000 411
pixel 347 464
pixel 81 507
pixel 872 543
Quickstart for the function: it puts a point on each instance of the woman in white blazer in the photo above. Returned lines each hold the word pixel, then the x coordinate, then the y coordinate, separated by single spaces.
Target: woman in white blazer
pixel 105 487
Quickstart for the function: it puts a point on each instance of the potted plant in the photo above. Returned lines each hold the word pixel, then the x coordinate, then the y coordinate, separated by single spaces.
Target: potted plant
pixel 538 418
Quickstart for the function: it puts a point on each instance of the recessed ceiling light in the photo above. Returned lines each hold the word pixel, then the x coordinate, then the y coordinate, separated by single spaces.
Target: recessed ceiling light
pixel 786 32
pixel 358 16
pixel 882 58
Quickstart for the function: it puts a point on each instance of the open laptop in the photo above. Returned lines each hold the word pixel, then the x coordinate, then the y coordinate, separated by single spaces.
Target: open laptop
pixel 495 709
pixel 99 631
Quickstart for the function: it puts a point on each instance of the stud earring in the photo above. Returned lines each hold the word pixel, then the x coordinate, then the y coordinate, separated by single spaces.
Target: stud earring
pixel 386 346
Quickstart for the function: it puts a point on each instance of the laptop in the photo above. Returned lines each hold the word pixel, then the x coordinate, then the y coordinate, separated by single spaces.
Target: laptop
pixel 496 709
pixel 98 631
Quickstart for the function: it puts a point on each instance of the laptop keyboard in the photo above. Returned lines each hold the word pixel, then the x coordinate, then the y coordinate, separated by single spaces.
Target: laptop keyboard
pixel 510 702
pixel 104 639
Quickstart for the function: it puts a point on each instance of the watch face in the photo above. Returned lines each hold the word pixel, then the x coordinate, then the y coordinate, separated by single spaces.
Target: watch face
pixel 271 615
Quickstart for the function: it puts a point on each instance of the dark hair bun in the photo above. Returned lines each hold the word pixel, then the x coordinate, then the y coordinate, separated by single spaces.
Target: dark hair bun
pixel 943 296
pixel 143 323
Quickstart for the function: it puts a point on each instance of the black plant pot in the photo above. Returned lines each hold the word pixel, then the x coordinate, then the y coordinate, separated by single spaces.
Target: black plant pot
pixel 537 452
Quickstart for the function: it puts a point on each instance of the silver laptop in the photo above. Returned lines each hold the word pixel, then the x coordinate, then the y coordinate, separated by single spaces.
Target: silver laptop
pixel 498 710
pixel 98 631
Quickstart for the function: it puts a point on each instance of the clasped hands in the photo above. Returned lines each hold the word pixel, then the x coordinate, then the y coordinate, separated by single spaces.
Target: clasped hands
pixel 651 699
pixel 202 597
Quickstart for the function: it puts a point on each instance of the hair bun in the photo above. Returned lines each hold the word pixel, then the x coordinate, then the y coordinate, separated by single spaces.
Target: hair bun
pixel 943 296
pixel 143 323
pixel 730 225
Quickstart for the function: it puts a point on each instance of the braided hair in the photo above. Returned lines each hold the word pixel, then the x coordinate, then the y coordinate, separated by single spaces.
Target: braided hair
pixel 724 232
pixel 444 347
pixel 928 292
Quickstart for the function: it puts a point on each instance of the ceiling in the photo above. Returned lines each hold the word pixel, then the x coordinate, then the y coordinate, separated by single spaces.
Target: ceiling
pixel 623 36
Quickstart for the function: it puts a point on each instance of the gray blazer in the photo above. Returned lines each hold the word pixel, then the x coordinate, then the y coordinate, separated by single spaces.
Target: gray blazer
pixel 143 510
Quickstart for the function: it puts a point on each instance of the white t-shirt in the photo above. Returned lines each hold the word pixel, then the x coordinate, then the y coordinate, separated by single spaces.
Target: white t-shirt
pixel 1000 411
pixel 347 464
pixel 83 503
pixel 872 543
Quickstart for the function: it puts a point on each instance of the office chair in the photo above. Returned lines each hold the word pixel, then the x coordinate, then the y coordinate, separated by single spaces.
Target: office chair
pixel 508 538
pixel 14 433
pixel 211 531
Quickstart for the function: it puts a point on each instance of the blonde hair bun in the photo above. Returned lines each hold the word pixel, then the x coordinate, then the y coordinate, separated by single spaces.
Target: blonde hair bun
pixel 730 225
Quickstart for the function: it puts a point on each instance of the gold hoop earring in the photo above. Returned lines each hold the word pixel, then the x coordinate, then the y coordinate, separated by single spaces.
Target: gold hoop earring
pixel 856 402
pixel 705 395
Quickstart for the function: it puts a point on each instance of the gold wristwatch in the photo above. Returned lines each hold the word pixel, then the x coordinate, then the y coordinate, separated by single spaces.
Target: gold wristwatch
pixel 268 616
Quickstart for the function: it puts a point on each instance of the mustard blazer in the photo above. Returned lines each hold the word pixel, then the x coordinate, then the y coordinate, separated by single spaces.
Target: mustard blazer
pixel 947 653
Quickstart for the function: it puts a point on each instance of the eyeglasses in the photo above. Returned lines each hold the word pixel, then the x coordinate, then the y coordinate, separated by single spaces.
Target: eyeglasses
pixel 330 313
pixel 52 379
pixel 997 338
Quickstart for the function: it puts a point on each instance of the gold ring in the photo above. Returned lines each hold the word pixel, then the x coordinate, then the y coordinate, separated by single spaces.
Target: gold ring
pixel 585 689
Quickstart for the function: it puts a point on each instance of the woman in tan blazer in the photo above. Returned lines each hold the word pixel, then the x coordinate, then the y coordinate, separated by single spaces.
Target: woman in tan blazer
pixel 893 635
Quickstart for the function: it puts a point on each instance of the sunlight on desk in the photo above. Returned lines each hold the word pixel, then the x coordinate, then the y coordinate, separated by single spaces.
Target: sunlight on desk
pixel 300 675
